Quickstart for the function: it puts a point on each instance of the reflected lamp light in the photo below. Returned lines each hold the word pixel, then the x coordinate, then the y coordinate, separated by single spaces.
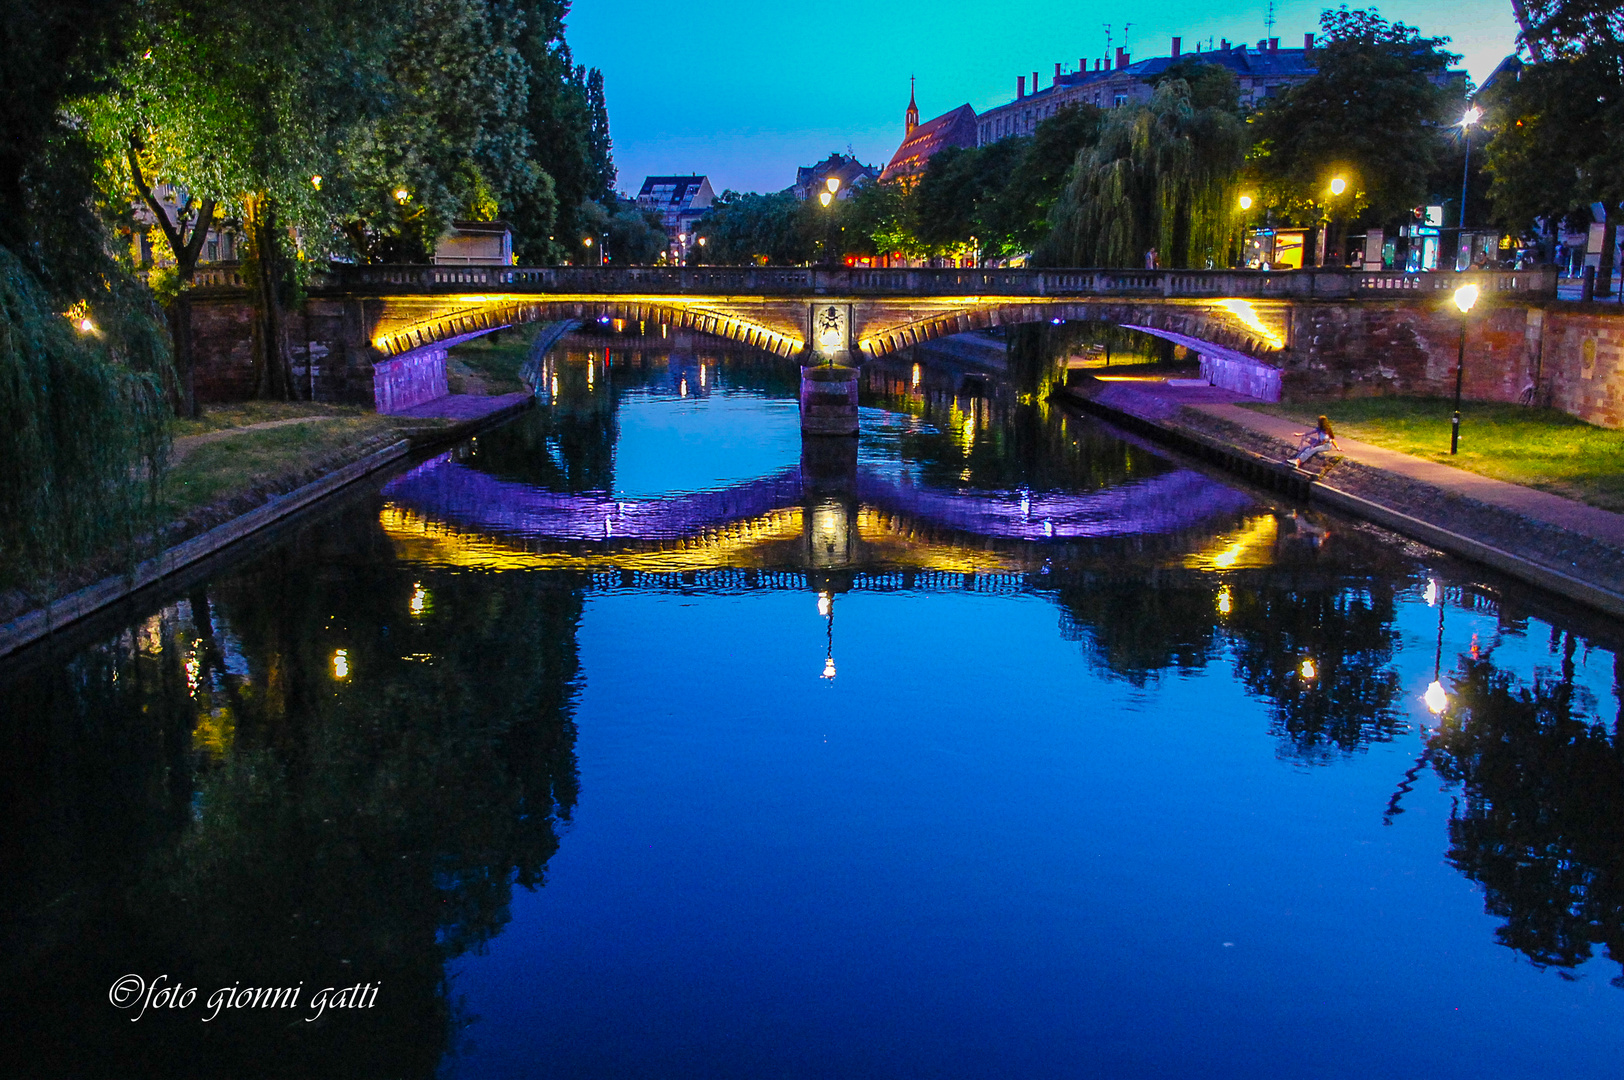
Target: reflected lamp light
pixel 1437 701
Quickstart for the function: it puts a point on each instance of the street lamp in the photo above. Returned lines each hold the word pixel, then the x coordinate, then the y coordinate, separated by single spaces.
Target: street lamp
pixel 1246 202
pixel 1465 297
pixel 1338 186
pixel 1472 116
pixel 826 198
pixel 587 240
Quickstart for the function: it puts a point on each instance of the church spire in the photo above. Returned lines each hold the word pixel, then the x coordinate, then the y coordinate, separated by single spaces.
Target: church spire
pixel 912 120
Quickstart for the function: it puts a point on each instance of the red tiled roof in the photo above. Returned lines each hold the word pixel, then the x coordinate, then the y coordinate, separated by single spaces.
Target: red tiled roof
pixel 956 128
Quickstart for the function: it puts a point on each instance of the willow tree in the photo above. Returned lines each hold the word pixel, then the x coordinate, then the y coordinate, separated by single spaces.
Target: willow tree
pixel 1163 176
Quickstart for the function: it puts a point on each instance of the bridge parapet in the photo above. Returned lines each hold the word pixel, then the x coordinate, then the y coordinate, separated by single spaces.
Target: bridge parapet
pixel 786 282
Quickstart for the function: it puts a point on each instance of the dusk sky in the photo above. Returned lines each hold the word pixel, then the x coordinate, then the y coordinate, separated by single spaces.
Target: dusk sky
pixel 745 91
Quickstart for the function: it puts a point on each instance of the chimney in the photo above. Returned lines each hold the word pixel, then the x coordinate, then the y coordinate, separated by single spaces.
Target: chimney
pixel 1020 87
pixel 1057 73
pixel 1308 41
pixel 1176 43
pixel 1034 82
pixel 1224 45
pixel 1274 44
pixel 1121 58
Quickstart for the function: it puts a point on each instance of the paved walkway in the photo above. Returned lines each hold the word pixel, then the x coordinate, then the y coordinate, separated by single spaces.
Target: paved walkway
pixel 1576 517
pixel 183 446
pixel 462 406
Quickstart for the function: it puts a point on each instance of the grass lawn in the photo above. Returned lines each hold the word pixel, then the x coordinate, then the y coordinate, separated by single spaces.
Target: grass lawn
pixel 1539 448
pixel 493 360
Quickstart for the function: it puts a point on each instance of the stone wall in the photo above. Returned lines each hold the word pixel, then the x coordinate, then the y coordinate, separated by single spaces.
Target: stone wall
pixel 1567 355
pixel 326 341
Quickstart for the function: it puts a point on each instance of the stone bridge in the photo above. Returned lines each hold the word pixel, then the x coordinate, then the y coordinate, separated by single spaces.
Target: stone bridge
pixel 379 333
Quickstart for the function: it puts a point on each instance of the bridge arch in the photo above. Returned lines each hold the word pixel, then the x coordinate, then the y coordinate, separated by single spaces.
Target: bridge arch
pixel 1238 328
pixel 401 329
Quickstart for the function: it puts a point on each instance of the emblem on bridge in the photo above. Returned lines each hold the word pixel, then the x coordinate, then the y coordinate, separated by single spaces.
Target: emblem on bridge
pixel 831 328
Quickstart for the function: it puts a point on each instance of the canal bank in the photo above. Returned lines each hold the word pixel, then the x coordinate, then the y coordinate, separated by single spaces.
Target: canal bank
pixel 1562 545
pixel 242 513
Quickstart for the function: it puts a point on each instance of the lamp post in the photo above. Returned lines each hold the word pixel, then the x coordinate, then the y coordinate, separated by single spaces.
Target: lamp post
pixel 1471 116
pixel 827 198
pixel 1338 186
pixel 1465 297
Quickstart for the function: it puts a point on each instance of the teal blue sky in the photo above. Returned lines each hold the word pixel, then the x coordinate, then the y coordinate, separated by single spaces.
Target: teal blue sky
pixel 745 91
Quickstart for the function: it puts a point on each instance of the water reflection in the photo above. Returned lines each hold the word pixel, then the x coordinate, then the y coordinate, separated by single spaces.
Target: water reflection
pixel 1541 820
pixel 333 764
pixel 324 770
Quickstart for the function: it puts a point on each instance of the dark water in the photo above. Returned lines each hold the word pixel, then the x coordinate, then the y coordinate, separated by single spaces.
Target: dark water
pixel 1122 771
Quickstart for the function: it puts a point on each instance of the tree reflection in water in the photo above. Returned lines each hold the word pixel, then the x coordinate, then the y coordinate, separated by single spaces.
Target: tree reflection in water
pixel 1542 822
pixel 302 776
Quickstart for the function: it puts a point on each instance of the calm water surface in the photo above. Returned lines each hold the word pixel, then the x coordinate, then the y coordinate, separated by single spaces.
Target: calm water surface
pixel 635 739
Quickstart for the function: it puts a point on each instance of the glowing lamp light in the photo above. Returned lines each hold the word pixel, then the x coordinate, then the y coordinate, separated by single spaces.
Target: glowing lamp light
pixel 315 181
pixel 829 339
pixel 825 604
pixel 420 600
pixel 1226 601
pixel 1338 186
pixel 341 664
pixel 587 240
pixel 829 668
pixel 1308 671
pixel 1436 699
pixel 1471 116
pixel 1431 595
pixel 85 326
pixel 401 195
pixel 833 184
pixel 1246 202
pixel 826 198
pixel 1465 297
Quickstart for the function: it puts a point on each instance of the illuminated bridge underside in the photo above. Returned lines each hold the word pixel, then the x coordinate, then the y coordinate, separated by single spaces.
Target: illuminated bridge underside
pixel 1170 502
pixel 783 325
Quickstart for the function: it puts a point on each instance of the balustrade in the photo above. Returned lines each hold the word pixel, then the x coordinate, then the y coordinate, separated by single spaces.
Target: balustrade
pixel 884 282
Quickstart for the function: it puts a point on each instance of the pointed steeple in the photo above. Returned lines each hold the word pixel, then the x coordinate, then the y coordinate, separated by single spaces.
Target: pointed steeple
pixel 913 110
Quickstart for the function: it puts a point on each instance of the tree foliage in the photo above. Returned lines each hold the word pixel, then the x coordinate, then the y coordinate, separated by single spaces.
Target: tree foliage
pixel 1162 176
pixel 1371 113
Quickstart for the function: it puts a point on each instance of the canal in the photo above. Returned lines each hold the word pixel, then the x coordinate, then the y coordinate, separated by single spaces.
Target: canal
pixel 635 739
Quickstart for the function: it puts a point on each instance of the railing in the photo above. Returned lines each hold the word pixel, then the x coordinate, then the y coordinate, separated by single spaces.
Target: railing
pixel 814 282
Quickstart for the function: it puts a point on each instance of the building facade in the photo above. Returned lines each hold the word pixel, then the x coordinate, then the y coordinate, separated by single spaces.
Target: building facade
pixel 1261 71
pixel 680 201
pixel 921 141
pixel 850 173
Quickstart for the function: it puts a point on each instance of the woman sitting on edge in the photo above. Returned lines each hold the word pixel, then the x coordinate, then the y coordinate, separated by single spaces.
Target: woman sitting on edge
pixel 1313 442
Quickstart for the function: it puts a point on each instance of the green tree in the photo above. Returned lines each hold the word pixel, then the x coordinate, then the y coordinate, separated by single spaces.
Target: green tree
pixel 744 229
pixel 1040 176
pixel 1162 176
pixel 1372 113
pixel 568 123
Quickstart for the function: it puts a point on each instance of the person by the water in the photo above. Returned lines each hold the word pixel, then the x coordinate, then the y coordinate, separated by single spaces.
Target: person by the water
pixel 1313 442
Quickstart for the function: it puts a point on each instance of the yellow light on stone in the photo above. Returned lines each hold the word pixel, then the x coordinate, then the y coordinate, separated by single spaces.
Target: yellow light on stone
pixel 1435 697
pixel 341 664
pixel 1465 297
